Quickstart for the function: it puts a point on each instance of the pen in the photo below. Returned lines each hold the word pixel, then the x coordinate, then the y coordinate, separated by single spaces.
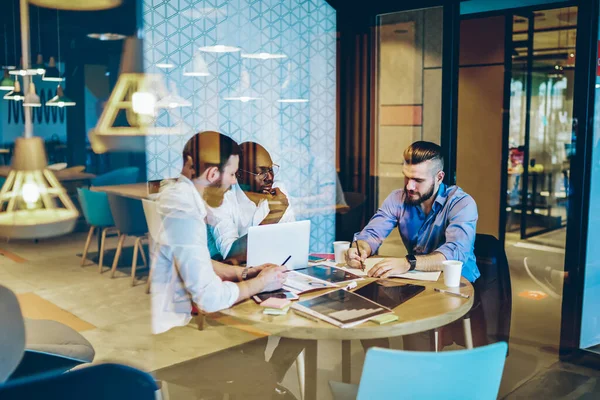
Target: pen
pixel 464 296
pixel 286 260
pixel 362 264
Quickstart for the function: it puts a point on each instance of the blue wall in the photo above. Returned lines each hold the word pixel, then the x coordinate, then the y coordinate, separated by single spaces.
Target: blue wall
pixel 299 136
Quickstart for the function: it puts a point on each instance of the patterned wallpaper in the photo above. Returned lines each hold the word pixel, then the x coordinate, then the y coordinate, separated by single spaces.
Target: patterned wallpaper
pixel 300 136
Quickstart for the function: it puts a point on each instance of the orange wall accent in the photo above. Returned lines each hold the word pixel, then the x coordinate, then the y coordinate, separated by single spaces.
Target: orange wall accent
pixel 401 115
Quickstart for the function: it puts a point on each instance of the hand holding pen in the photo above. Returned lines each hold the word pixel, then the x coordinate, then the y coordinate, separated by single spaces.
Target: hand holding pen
pixel 354 256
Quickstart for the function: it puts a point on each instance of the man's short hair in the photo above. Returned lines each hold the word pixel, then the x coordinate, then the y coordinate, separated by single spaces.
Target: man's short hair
pixel 210 149
pixel 422 151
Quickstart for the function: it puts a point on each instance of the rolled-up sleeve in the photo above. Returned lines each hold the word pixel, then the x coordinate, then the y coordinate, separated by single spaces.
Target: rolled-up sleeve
pixel 461 230
pixel 383 222
pixel 184 233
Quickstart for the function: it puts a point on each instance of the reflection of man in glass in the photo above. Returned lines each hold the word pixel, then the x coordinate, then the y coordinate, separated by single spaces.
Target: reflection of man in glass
pixel 262 202
pixel 184 272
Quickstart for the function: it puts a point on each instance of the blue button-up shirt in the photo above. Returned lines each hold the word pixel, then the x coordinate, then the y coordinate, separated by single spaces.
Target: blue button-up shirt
pixel 448 229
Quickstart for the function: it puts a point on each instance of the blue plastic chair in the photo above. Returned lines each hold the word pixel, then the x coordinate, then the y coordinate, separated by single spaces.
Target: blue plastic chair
pixel 122 176
pixel 96 211
pixel 130 220
pixel 96 382
pixel 461 374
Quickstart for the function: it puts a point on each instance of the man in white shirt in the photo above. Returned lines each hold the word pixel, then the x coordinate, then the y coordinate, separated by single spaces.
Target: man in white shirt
pixel 183 271
pixel 263 202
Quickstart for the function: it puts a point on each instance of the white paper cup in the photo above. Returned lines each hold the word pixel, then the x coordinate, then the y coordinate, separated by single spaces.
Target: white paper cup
pixel 339 250
pixel 452 272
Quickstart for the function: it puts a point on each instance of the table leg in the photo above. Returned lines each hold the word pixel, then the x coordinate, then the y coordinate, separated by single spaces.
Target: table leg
pixel 346 361
pixel 310 370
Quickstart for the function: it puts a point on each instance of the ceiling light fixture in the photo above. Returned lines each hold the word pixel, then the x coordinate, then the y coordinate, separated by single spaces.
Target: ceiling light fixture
pixel 219 48
pixel 31 99
pixel 16 94
pixel 60 100
pixel 199 67
pixel 263 56
pixel 106 36
pixel 6 83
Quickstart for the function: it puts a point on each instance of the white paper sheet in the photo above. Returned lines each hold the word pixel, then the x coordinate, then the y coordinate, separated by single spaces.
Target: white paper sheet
pixel 416 275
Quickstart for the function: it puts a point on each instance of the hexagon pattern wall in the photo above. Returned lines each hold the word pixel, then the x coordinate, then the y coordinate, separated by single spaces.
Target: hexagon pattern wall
pixel 299 135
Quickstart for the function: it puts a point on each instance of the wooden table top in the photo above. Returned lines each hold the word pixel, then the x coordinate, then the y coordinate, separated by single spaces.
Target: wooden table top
pixel 62 176
pixel 427 310
pixel 134 191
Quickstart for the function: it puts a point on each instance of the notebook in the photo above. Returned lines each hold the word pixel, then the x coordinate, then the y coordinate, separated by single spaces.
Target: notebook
pixel 341 308
pixel 415 275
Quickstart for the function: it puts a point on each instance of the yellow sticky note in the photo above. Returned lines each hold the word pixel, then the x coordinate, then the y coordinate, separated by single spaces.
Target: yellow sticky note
pixel 385 318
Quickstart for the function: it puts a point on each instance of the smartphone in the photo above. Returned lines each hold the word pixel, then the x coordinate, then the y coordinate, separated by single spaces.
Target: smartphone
pixel 316 259
pixel 280 294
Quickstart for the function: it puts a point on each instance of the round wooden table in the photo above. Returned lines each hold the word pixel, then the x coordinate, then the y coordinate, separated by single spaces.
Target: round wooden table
pixel 426 311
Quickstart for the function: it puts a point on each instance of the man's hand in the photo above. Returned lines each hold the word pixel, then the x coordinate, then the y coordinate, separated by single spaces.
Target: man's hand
pixel 389 266
pixel 278 198
pixel 254 271
pixel 272 277
pixel 355 258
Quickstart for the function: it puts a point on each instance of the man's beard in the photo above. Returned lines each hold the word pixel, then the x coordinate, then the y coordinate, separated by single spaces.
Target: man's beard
pixel 420 199
pixel 214 194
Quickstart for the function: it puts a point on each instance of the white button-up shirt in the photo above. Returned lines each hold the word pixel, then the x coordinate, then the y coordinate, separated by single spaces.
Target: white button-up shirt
pixel 232 219
pixel 183 270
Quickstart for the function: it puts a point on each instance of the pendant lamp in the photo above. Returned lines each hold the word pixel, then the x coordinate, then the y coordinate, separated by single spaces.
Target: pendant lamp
pixel 33 204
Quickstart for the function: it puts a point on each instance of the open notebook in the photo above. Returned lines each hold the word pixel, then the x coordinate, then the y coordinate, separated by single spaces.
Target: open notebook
pixel 416 275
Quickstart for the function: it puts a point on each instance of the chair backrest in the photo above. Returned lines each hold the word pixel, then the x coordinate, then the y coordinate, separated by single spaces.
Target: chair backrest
pixel 350 221
pixel 121 176
pixel 128 214
pixel 12 333
pixel 152 218
pixel 494 286
pixel 95 207
pixel 460 374
pixel 96 382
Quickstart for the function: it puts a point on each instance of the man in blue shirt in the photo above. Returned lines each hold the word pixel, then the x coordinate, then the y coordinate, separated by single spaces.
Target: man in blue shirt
pixel 436 222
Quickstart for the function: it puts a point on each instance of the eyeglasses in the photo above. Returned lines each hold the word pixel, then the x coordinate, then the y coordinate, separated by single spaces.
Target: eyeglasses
pixel 265 171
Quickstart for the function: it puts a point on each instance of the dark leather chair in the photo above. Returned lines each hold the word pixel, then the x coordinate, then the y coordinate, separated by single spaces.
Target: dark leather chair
pixel 490 315
pixel 493 287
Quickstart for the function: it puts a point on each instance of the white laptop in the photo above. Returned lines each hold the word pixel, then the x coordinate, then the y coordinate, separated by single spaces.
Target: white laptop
pixel 275 243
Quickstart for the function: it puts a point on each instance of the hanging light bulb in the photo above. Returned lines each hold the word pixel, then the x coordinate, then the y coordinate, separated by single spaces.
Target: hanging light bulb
pixel 6 83
pixel 31 99
pixel 16 94
pixel 60 100
pixel 199 67
pixel 52 73
pixel 33 204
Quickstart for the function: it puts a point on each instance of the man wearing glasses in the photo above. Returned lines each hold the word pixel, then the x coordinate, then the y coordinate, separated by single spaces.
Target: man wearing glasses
pixel 257 200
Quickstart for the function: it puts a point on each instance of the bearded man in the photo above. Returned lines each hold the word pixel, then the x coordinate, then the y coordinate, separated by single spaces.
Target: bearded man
pixel 436 222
